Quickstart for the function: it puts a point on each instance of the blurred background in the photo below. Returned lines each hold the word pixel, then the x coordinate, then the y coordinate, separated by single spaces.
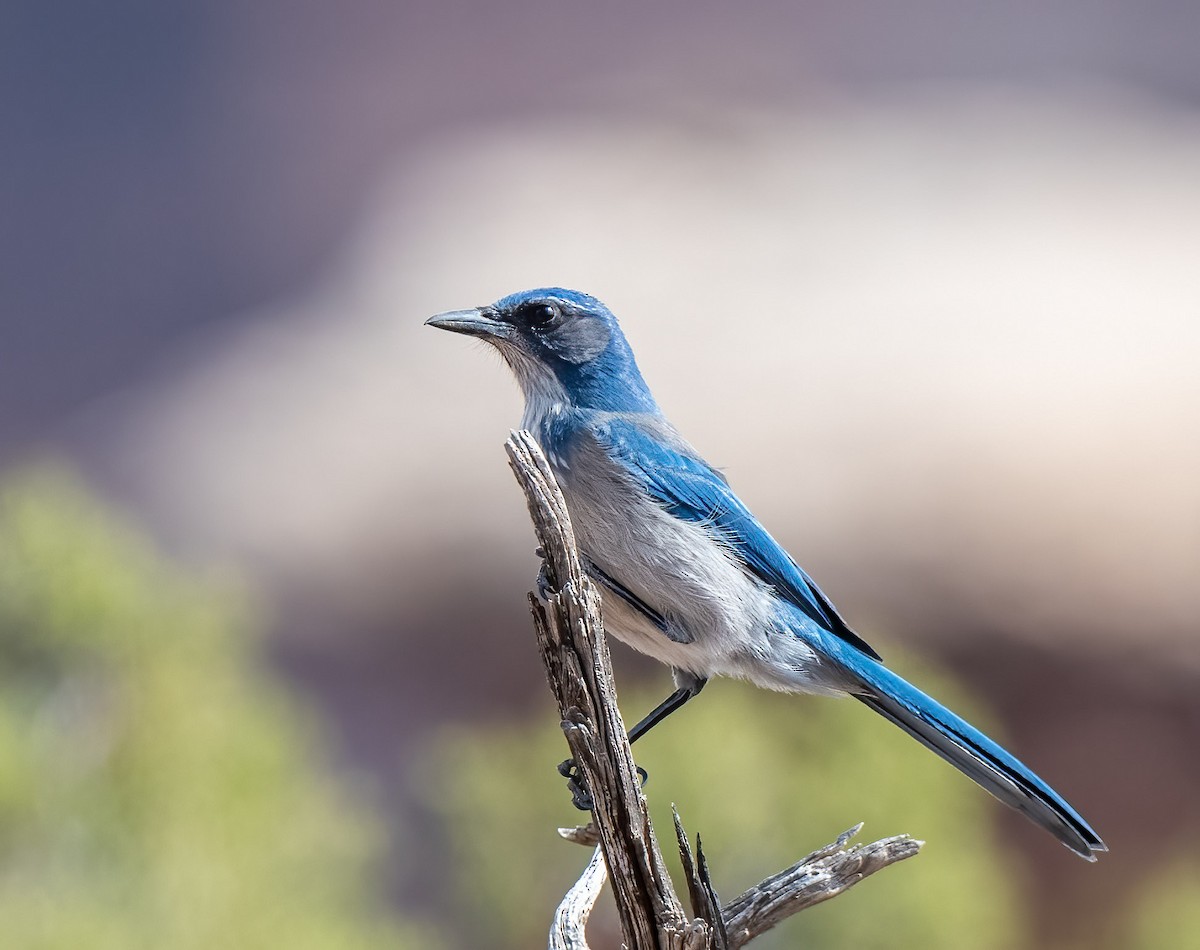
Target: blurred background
pixel 922 278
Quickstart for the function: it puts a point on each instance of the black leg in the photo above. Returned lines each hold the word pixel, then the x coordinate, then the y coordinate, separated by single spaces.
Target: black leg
pixel 665 708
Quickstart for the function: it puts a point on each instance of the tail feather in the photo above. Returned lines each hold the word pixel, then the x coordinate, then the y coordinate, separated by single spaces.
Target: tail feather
pixel 972 753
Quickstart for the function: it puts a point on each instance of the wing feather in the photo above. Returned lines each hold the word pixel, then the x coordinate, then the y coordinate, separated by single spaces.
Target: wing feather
pixel 654 455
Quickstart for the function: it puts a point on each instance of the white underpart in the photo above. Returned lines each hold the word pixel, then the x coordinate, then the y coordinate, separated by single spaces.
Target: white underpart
pixel 731 619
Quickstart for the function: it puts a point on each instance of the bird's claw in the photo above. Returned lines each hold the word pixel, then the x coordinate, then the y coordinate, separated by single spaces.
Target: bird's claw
pixel 544 588
pixel 581 798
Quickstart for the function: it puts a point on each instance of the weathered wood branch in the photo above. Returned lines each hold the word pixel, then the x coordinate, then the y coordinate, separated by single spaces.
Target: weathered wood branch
pixel 825 873
pixel 570 919
pixel 571 636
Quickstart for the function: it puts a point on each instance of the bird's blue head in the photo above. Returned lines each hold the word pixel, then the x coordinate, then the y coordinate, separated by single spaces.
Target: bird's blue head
pixel 563 346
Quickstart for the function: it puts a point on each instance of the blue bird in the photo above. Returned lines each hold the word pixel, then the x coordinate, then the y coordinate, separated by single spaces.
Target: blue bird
pixel 696 581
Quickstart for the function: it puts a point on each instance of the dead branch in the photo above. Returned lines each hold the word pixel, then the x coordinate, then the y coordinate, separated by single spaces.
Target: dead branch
pixel 571 637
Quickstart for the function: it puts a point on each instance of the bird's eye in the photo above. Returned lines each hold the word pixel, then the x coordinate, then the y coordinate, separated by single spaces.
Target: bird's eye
pixel 539 315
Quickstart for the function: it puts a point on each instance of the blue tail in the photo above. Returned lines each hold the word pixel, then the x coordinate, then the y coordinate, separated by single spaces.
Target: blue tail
pixel 967 749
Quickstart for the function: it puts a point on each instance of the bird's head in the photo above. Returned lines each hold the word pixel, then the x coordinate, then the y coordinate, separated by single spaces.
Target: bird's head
pixel 562 345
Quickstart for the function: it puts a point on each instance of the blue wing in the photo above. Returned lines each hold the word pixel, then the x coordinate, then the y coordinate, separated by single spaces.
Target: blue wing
pixel 670 471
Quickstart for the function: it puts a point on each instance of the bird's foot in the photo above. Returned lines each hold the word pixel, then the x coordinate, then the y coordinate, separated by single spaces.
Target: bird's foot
pixel 581 798
pixel 544 589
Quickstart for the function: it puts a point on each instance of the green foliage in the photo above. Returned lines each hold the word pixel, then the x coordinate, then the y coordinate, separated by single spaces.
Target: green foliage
pixel 158 788
pixel 764 778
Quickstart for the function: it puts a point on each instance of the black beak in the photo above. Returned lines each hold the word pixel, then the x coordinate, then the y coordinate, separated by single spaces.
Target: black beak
pixel 470 322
